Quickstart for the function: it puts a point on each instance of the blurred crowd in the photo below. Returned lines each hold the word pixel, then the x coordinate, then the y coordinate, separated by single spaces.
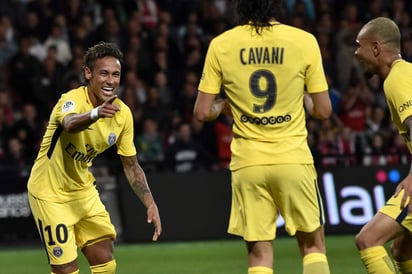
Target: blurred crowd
pixel 164 44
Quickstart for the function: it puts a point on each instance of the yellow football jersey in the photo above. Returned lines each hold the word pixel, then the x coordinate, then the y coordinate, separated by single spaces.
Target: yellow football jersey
pixel 398 93
pixel 60 172
pixel 264 76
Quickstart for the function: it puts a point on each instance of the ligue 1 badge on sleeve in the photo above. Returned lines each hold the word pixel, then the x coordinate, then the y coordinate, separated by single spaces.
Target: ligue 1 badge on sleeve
pixel 57 251
pixel 68 106
pixel 111 139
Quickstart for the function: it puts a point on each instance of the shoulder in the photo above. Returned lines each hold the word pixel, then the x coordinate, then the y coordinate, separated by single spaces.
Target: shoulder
pixel 74 93
pixel 121 104
pixel 398 80
pixel 399 71
pixel 124 108
pixel 228 35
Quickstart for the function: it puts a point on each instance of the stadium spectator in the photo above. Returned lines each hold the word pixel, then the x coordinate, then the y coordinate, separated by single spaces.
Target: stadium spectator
pixel 129 96
pixel 4 132
pixel 48 83
pixel 149 144
pixel 15 158
pixel 377 122
pixel 28 129
pixel 24 68
pixel 399 152
pixel 6 104
pixel 303 8
pixel 161 82
pixel 327 146
pixel 185 155
pixel 8 45
pixel 407 48
pixel 348 151
pixel 149 13
pixel 154 107
pixel 354 108
pixel 187 96
pixel 378 154
pixel 203 133
pixel 224 136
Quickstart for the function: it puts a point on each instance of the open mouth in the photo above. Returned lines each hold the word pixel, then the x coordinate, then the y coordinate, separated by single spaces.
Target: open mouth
pixel 108 91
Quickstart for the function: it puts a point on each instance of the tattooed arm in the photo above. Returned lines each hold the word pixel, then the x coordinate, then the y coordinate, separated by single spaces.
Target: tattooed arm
pixel 137 180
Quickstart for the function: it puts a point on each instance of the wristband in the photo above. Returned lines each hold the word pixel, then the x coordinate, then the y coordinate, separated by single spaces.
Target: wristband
pixel 94 114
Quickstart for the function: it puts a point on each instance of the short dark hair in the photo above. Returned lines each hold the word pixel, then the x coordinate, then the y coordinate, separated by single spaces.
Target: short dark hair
pixel 258 13
pixel 100 50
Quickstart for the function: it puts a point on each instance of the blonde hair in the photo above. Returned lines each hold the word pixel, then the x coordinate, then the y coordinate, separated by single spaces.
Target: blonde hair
pixel 385 30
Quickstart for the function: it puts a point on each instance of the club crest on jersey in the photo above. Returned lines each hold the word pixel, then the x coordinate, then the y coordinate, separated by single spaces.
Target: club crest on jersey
pixel 111 139
pixel 57 251
pixel 68 106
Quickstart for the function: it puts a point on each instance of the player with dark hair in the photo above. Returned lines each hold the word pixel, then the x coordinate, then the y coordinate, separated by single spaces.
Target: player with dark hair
pixel 265 67
pixel 378 50
pixel 63 198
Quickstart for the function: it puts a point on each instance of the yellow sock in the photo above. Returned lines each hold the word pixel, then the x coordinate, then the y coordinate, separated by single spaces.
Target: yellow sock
pixel 106 268
pixel 315 263
pixel 75 272
pixel 260 270
pixel 404 267
pixel 377 260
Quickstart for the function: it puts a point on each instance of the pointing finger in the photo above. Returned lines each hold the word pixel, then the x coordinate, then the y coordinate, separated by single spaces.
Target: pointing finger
pixel 111 99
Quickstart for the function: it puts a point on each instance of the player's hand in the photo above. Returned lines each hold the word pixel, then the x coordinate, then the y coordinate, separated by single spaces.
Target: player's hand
pixel 108 109
pixel 153 217
pixel 405 185
pixel 226 110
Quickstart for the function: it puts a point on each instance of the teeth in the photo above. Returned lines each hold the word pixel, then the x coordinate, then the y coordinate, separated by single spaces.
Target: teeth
pixel 108 89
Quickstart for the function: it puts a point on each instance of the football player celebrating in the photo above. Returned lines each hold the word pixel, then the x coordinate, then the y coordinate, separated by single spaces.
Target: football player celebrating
pixel 264 67
pixel 63 198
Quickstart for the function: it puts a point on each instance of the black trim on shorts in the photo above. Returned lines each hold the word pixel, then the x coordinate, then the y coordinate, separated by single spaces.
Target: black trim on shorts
pixel 321 213
pixel 402 215
pixel 40 227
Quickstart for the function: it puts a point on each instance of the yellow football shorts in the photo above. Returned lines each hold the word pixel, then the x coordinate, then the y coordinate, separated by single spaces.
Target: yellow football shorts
pixel 260 193
pixel 64 227
pixel 392 208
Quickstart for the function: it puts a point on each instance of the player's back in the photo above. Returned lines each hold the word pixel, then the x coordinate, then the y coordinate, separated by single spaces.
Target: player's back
pixel 264 77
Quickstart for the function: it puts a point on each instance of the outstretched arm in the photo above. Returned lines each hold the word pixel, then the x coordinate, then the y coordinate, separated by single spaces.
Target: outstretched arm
pixel 73 123
pixel 137 180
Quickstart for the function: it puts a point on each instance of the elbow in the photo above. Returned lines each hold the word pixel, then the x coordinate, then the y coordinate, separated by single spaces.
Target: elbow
pixel 69 127
pixel 200 116
pixel 324 114
pixel 324 111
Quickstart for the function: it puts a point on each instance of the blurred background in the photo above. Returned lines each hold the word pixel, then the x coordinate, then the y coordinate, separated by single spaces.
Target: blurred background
pixel 358 153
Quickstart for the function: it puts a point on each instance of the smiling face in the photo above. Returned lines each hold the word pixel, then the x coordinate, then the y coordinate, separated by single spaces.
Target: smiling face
pixel 378 46
pixel 103 79
pixel 366 51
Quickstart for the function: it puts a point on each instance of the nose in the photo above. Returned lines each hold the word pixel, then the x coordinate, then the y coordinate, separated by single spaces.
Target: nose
pixel 110 79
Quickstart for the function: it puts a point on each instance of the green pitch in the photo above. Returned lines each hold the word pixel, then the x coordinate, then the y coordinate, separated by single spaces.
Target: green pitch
pixel 217 257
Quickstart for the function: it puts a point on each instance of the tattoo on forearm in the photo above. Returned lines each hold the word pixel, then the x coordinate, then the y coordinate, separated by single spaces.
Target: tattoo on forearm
pixel 140 189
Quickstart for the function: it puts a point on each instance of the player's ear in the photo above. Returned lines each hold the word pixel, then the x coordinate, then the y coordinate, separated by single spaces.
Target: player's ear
pixel 376 48
pixel 87 73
